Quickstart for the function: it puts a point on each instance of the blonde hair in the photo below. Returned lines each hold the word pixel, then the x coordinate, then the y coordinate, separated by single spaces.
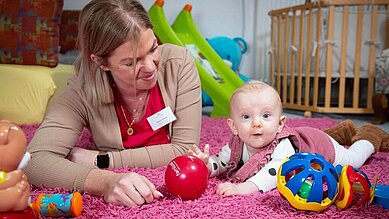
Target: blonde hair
pixel 103 26
pixel 254 85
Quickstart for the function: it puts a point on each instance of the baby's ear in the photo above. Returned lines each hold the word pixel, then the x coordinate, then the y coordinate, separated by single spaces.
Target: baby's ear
pixel 231 124
pixel 281 123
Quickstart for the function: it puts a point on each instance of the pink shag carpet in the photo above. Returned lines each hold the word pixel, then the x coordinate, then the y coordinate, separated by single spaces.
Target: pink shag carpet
pixel 269 205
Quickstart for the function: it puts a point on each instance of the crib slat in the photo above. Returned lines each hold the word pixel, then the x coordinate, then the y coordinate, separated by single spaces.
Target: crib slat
pixel 285 64
pixel 373 38
pixel 330 37
pixel 293 60
pixel 293 73
pixel 272 52
pixel 309 56
pixel 357 63
pixel 300 51
pixel 342 80
pixel 317 59
pixel 352 2
pixel 326 3
pixel 279 46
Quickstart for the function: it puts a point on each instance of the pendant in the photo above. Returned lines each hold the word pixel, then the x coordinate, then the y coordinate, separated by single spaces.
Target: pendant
pixel 130 131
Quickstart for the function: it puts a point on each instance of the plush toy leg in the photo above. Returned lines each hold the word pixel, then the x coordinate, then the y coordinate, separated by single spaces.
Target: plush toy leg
pixel 343 132
pixel 372 133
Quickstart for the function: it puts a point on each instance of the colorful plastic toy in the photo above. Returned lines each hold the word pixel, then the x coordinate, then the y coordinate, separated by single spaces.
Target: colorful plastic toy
pixel 186 177
pixel 381 196
pixel 348 177
pixel 308 182
pixel 14 187
pixel 58 205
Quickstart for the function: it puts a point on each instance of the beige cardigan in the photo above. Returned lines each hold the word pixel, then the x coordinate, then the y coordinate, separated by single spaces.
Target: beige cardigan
pixel 179 82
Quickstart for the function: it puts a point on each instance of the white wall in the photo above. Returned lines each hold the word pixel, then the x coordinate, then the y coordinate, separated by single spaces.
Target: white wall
pixel 245 18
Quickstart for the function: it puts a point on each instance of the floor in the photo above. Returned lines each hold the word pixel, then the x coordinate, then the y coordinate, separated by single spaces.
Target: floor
pixel 358 119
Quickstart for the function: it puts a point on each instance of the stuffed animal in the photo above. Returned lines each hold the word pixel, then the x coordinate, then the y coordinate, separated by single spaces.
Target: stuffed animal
pixel 229 49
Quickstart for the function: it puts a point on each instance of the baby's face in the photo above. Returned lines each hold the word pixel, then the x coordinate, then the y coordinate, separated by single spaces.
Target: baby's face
pixel 256 117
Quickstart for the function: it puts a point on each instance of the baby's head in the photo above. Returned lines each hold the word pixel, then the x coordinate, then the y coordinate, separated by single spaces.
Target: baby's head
pixel 254 86
pixel 256 114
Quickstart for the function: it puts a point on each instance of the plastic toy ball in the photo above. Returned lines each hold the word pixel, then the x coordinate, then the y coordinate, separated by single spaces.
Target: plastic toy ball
pixel 350 179
pixel 186 177
pixel 308 182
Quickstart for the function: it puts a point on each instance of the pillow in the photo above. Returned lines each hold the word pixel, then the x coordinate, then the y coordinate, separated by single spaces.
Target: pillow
pixel 29 31
pixel 68 30
pixel 27 91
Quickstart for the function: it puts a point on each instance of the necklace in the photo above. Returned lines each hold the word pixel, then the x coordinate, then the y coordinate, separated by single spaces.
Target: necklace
pixel 130 130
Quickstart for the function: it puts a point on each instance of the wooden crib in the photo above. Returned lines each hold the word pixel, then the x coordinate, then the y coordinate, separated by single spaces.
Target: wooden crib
pixel 323 54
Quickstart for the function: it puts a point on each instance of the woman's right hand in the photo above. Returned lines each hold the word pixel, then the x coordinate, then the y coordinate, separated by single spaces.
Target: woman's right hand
pixel 128 189
pixel 195 151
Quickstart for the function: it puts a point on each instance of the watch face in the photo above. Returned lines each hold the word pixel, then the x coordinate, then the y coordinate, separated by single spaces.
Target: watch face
pixel 102 161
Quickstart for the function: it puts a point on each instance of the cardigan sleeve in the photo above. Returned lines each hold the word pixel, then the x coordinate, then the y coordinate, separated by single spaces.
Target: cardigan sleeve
pixel 52 142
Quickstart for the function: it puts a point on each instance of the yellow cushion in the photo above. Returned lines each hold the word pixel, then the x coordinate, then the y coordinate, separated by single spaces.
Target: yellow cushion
pixel 25 90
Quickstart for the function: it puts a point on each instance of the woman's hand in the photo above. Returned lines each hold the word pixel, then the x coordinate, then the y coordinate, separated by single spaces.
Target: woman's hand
pixel 83 156
pixel 128 189
pixel 195 151
pixel 228 189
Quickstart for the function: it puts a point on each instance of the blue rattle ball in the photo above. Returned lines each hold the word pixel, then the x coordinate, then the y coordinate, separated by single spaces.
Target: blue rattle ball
pixel 308 181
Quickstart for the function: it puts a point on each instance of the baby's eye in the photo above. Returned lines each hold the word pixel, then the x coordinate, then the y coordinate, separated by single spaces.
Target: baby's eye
pixel 266 115
pixel 245 116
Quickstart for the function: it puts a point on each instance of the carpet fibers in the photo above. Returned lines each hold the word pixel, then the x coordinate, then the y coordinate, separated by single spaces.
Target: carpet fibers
pixel 269 205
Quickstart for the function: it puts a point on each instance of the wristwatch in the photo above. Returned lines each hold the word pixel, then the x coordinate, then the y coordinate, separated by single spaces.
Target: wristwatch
pixel 102 160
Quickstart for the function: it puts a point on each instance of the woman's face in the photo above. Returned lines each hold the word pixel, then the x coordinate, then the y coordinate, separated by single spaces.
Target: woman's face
pixel 143 73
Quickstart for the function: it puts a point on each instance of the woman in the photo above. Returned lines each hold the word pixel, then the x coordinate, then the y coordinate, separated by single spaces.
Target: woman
pixel 122 78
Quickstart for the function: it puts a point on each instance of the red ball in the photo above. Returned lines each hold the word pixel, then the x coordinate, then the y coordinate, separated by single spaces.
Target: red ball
pixel 186 177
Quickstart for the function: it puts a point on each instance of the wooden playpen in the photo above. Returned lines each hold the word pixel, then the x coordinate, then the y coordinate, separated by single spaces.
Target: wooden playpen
pixel 323 54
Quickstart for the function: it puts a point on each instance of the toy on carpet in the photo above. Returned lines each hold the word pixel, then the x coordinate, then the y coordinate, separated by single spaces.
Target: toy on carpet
pixel 186 177
pixel 348 177
pixel 309 182
pixel 14 187
pixel 58 205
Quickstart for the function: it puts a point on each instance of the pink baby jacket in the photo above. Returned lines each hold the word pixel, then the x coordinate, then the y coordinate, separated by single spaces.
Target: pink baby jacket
pixel 305 139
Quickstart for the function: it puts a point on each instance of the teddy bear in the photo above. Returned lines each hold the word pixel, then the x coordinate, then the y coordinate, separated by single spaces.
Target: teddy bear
pixel 346 133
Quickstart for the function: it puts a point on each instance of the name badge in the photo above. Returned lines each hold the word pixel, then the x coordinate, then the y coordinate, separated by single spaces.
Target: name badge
pixel 161 118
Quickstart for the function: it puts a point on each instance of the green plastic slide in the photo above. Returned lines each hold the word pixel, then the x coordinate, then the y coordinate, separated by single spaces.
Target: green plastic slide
pixel 212 83
pixel 187 32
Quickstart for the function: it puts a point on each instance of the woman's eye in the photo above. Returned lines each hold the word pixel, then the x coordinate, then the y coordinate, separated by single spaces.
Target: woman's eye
pixel 152 51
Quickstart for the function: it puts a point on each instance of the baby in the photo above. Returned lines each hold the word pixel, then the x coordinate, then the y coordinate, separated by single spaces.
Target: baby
pixel 261 141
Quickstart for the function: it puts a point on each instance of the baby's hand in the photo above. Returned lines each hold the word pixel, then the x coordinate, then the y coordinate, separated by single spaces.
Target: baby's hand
pixel 228 189
pixel 195 151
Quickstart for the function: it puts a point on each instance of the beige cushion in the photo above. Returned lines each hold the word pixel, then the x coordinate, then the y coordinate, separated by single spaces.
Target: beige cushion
pixel 27 90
